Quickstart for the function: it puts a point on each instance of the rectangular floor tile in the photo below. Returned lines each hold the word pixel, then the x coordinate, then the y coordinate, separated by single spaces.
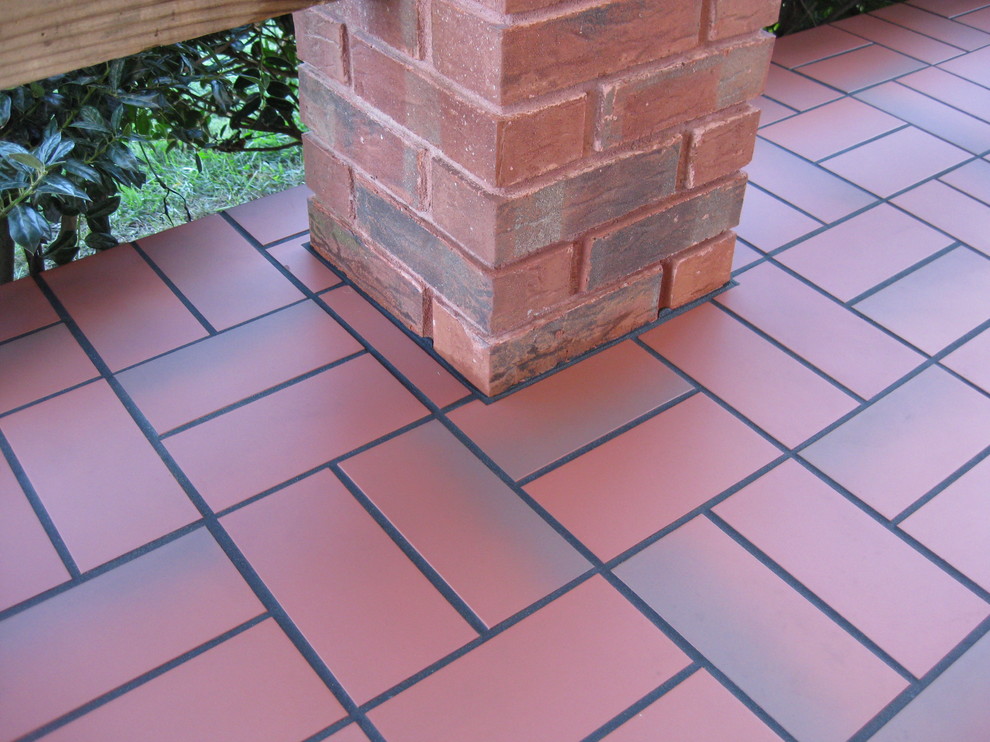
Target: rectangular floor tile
pixel 220 370
pixel 767 222
pixel 266 442
pixel 629 488
pixel 814 44
pixel 548 420
pixel 95 291
pixel 913 610
pixel 951 211
pixel 974 66
pixel 771 110
pixel 223 276
pixel 104 486
pixel 813 678
pixel 492 548
pixel 351 733
pixel 856 255
pixel 797 91
pixel 30 564
pixel 276 216
pixel 880 166
pixel 845 346
pixel 972 360
pixel 807 186
pixel 254 686
pixel 558 674
pixel 303 264
pixel 861 68
pixel 977 19
pixel 742 256
pixel 89 640
pixel 365 608
pixel 23 308
pixel 899 38
pixel 955 524
pixel 972 178
pixel 952 90
pixel 698 709
pixel 438 384
pixel 939 28
pixel 949 8
pixel 892 453
pixel 954 707
pixel 936 304
pixel 42 363
pixel 776 392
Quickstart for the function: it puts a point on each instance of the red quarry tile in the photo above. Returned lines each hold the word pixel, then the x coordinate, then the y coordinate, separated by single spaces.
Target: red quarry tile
pixel 629 488
pixel 881 166
pixel 132 618
pixel 412 361
pixel 797 91
pixel 40 364
pixel 949 8
pixel 767 222
pixel 771 110
pixel 956 524
pixel 762 382
pixel 558 674
pixel 543 422
pixel 30 563
pixel 855 256
pixel 363 606
pixel 812 677
pixel 808 187
pixel 954 707
pixel 225 368
pixel 899 38
pixel 912 609
pixel 950 211
pixel 225 278
pixel 936 304
pixel 926 113
pixel 973 178
pixel 101 482
pixel 352 733
pixel 952 90
pixel 974 66
pixel 972 360
pixel 698 709
pixel 264 443
pixel 861 68
pixel 276 216
pixel 942 29
pixel 123 307
pixel 979 19
pixel 23 308
pixel 254 686
pixel 809 46
pixel 743 255
pixel 831 128
pixel 492 548
pixel 894 452
pixel 843 345
pixel 304 265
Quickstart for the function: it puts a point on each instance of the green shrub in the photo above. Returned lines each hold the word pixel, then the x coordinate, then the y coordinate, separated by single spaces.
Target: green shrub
pixel 798 15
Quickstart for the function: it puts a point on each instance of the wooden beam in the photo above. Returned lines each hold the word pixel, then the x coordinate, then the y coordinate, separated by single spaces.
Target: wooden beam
pixel 40 38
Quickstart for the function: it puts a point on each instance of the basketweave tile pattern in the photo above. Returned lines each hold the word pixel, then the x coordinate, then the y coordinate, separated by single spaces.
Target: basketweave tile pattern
pixel 250 506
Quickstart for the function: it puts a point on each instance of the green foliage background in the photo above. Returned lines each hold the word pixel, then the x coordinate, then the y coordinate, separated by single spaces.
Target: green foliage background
pixel 799 15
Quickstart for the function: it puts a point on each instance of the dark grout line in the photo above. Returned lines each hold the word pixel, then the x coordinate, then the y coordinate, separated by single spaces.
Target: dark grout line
pixel 190 307
pixel 891 280
pixel 35 331
pixel 940 487
pixel 870 140
pixel 53 395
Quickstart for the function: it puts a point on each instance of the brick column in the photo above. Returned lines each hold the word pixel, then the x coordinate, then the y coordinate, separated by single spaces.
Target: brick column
pixel 522 180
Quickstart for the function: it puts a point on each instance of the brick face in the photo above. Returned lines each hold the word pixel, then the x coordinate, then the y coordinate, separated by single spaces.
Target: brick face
pixel 721 146
pixel 322 42
pixel 395 22
pixel 328 177
pixel 735 17
pixel 699 270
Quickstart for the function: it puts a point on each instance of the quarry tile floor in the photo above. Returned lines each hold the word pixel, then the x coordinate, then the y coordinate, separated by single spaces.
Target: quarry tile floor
pixel 237 503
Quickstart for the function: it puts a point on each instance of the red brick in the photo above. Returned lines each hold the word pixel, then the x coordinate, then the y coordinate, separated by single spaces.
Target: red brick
pixel 734 17
pixel 352 134
pixel 498 227
pixel 506 63
pixel 692 273
pixel 322 42
pixel 501 149
pixel 517 6
pixel 379 276
pixel 493 364
pixel 699 216
pixel 329 178
pixel 721 146
pixel 396 22
pixel 690 88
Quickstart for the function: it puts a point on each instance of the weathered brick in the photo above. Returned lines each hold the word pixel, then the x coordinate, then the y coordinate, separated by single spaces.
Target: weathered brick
pixel 500 149
pixel 328 177
pixel 510 62
pixel 495 363
pixel 501 227
pixel 699 270
pixel 374 272
pixel 735 17
pixel 395 22
pixel 694 86
pixel 322 41
pixel 721 146
pixel 354 136
pixel 517 6
pixel 697 217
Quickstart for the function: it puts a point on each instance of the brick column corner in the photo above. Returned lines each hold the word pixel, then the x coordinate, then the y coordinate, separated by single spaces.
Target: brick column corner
pixel 522 180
